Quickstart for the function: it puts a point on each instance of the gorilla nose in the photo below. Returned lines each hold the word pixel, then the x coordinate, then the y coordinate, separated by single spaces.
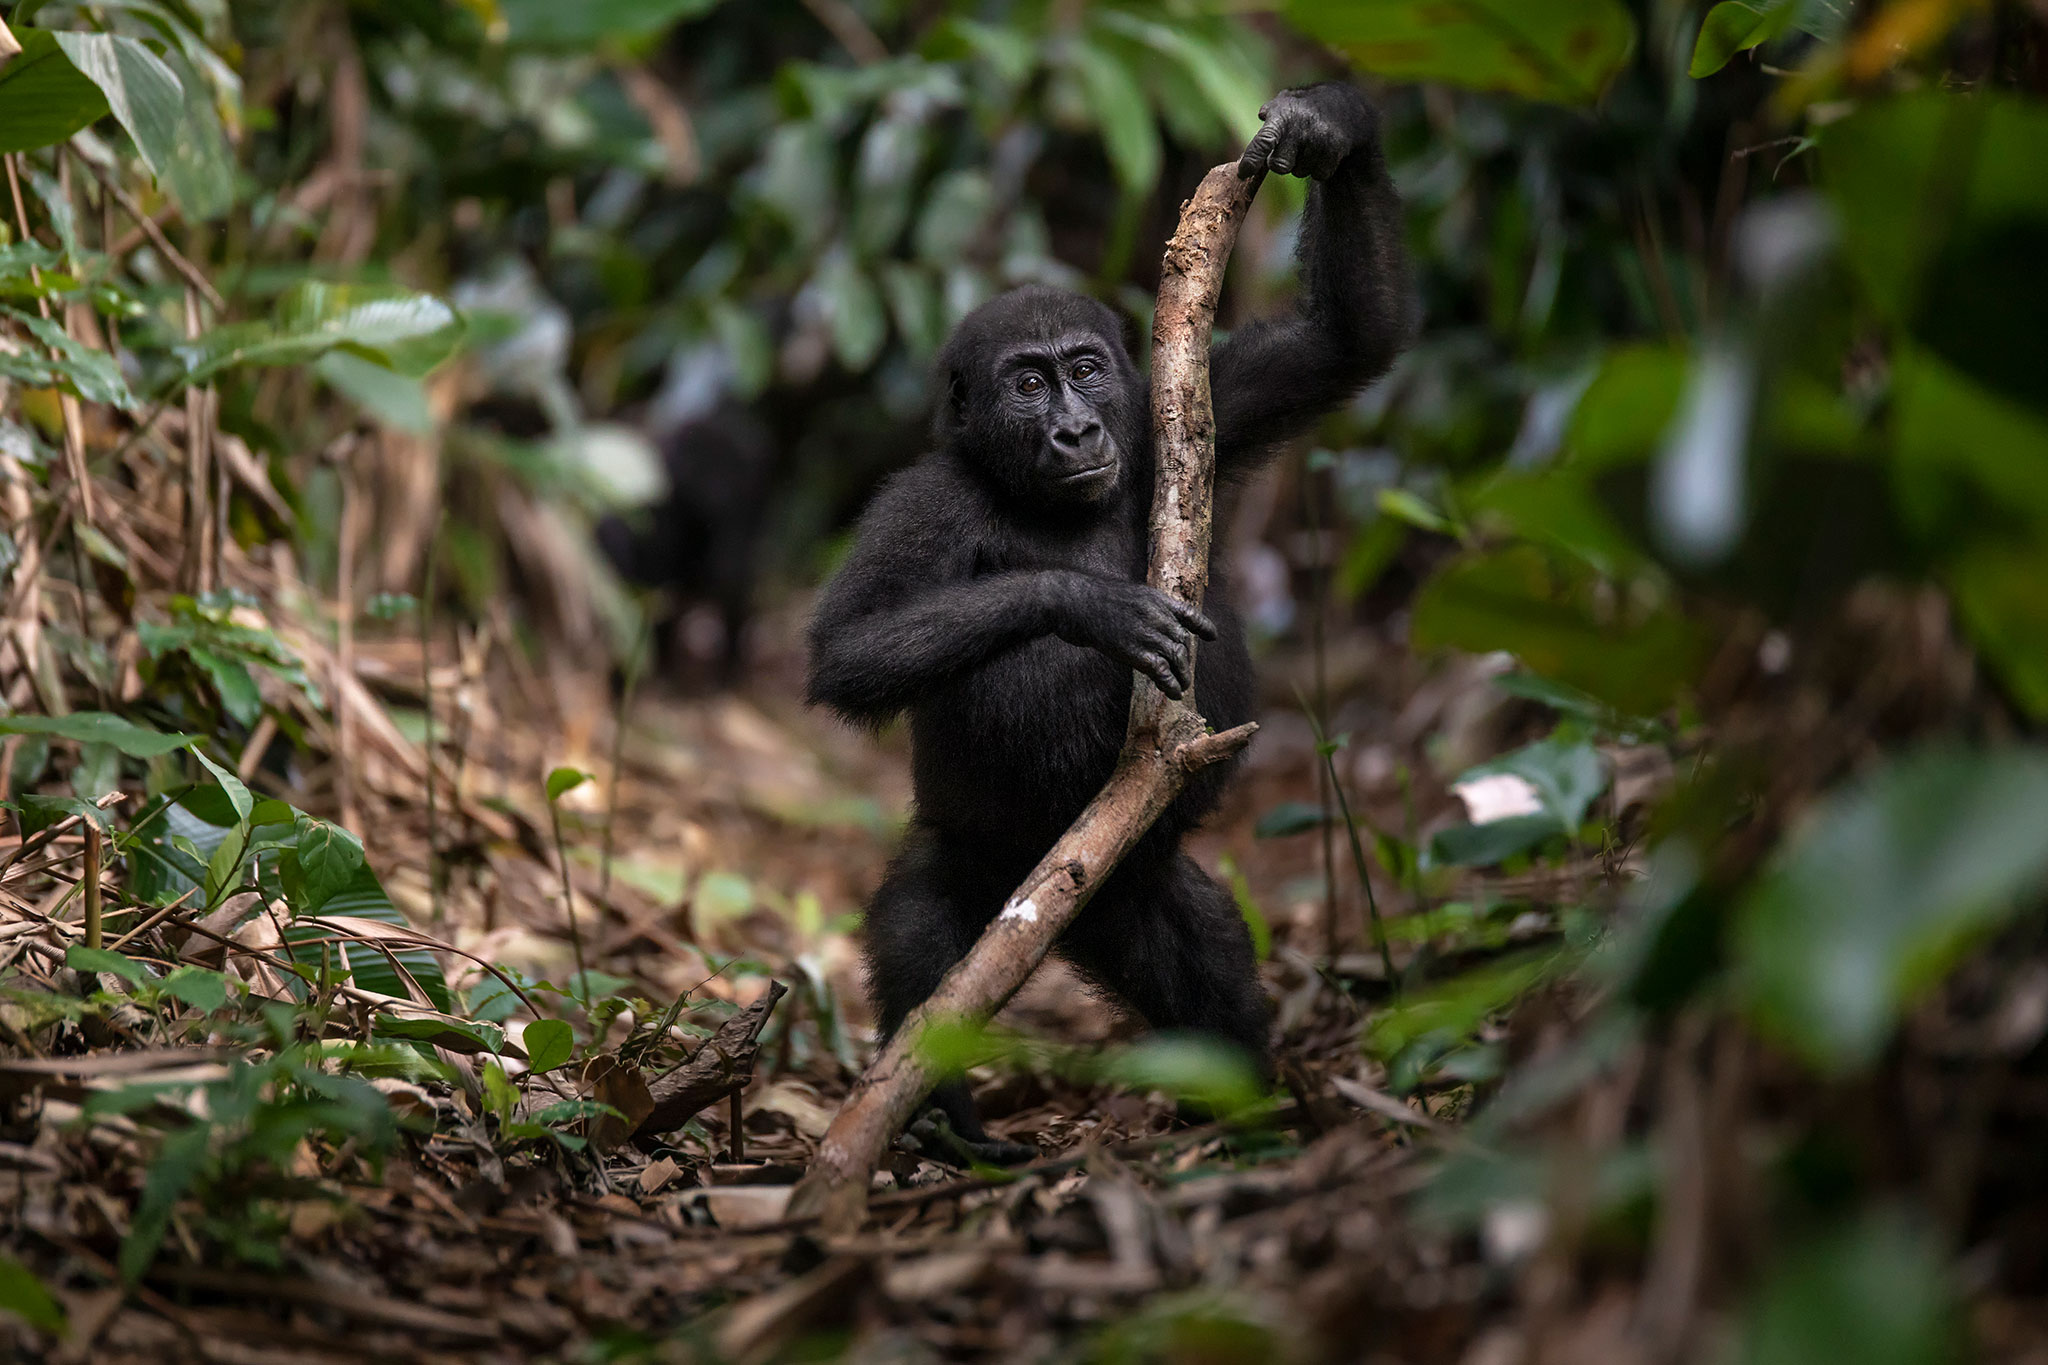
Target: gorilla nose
pixel 1077 438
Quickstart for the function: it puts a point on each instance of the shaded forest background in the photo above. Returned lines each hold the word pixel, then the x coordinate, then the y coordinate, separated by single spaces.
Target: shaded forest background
pixel 424 934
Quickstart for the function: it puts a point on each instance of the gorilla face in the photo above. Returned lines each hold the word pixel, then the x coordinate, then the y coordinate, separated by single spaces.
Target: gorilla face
pixel 1058 392
pixel 1043 398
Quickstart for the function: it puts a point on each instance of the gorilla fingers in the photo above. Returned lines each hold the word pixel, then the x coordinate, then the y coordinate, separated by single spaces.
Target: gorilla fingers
pixel 1139 627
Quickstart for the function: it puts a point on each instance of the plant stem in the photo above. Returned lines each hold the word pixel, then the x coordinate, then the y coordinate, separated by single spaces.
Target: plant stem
pixel 634 663
pixel 92 885
pixel 569 901
pixel 1321 719
pixel 426 622
pixel 1372 905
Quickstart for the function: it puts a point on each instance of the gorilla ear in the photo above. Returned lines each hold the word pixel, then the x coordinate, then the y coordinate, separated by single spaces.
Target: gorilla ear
pixel 956 398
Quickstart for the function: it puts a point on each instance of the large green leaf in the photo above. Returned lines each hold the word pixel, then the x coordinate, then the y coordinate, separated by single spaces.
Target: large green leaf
pixel 98 727
pixel 1944 216
pixel 1565 51
pixel 43 97
pixel 1554 616
pixel 1118 103
pixel 142 92
pixel 1737 26
pixel 400 330
pixel 1882 889
pixel 199 168
pixel 1875 1291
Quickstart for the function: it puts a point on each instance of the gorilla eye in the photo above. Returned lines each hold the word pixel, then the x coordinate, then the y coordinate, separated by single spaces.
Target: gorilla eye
pixel 1030 384
pixel 1087 369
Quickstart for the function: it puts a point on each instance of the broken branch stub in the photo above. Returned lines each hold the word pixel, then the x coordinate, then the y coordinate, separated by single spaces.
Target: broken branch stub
pixel 1165 742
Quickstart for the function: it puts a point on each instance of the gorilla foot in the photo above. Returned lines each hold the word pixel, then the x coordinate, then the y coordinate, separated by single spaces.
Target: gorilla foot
pixel 932 1136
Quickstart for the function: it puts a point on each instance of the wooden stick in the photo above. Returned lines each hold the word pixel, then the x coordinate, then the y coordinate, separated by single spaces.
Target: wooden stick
pixel 92 885
pixel 1166 740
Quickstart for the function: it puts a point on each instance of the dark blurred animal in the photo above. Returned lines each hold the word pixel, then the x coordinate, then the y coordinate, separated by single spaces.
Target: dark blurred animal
pixel 699 545
pixel 996 592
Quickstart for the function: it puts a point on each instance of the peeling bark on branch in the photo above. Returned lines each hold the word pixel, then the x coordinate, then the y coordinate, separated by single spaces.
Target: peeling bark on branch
pixel 723 1065
pixel 1167 740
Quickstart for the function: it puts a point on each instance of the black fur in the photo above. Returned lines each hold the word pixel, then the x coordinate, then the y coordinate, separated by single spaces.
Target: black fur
pixel 700 543
pixel 997 593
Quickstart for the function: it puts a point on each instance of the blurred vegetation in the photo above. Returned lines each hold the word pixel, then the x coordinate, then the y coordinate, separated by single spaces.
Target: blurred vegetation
pixel 1728 424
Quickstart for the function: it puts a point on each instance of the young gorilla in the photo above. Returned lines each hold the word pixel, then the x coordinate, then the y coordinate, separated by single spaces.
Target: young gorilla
pixel 997 593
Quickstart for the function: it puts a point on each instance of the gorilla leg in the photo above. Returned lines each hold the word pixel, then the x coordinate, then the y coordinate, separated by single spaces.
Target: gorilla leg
pixel 929 911
pixel 1172 946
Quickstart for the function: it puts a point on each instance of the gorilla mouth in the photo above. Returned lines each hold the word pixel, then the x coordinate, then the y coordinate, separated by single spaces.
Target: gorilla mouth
pixel 1092 472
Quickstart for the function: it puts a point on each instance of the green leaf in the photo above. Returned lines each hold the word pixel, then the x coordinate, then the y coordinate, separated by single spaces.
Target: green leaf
pixel 470 1039
pixel 501 1098
pixel 549 1042
pixel 239 696
pixel 44 99
pixel 853 311
pixel 199 168
pixel 80 958
pixel 98 727
pixel 1737 26
pixel 37 812
pixel 1129 132
pixel 1212 1074
pixel 1555 616
pixel 1565 770
pixel 1877 1291
pixel 176 1165
pixel 201 988
pixel 395 399
pixel 62 363
pixel 1290 817
pixel 1493 842
pixel 21 1293
pixel 329 858
pixel 142 92
pixel 1880 892
pixel 403 331
pixel 1564 51
pixel 271 811
pixel 237 794
pixel 562 781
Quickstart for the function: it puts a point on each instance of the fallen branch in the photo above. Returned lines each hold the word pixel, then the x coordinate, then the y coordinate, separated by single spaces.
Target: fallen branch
pixel 723 1066
pixel 1166 741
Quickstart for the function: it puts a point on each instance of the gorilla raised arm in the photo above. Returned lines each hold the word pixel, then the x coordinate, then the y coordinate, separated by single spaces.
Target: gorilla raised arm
pixel 996 592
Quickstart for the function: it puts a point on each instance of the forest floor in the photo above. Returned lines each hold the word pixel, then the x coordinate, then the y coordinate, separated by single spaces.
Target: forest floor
pixel 747 832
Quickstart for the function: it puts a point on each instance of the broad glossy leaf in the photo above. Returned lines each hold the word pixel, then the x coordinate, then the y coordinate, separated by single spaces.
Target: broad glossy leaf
pixel 237 794
pixel 1564 51
pixel 562 781
pixel 397 400
pixel 548 1044
pixel 1203 1071
pixel 142 92
pixel 1880 891
pixel 1940 200
pixel 403 331
pixel 199 168
pixel 43 97
pixel 1737 26
pixel 38 812
pixel 98 727
pixel 329 857
pixel 1553 616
